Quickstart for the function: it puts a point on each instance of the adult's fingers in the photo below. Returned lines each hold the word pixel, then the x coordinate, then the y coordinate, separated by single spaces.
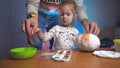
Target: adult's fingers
pixel 34 28
pixel 87 28
pixel 94 28
pixel 28 27
pixel 23 27
pixel 97 31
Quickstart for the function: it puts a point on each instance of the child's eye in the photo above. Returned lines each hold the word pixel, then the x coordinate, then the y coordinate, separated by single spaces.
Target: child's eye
pixel 68 14
pixel 61 14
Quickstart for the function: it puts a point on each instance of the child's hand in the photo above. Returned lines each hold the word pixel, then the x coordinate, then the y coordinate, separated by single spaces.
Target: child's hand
pixel 40 34
pixel 38 30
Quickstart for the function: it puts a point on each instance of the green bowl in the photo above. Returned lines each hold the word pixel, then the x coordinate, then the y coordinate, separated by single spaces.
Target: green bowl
pixel 23 52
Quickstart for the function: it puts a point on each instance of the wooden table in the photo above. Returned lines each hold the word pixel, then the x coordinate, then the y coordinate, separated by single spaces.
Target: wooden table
pixel 78 60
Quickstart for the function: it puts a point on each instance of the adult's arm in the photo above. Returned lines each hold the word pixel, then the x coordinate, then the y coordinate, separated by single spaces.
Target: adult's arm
pixel 90 27
pixel 32 6
pixel 82 16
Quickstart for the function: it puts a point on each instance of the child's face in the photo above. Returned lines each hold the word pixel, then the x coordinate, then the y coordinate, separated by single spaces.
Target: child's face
pixel 66 15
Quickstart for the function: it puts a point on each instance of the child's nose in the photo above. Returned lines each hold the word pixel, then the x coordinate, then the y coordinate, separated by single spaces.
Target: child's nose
pixel 65 16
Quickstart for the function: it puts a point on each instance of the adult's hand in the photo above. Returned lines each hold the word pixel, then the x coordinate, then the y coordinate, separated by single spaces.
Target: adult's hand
pixel 30 25
pixel 92 27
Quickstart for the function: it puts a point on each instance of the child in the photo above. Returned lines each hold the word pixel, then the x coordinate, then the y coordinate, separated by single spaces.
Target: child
pixel 65 34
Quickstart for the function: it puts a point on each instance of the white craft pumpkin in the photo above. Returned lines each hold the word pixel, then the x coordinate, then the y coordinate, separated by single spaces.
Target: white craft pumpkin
pixel 88 42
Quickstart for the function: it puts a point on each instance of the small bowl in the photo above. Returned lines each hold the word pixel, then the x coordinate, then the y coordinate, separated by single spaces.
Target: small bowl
pixel 117 45
pixel 23 52
pixel 116 41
